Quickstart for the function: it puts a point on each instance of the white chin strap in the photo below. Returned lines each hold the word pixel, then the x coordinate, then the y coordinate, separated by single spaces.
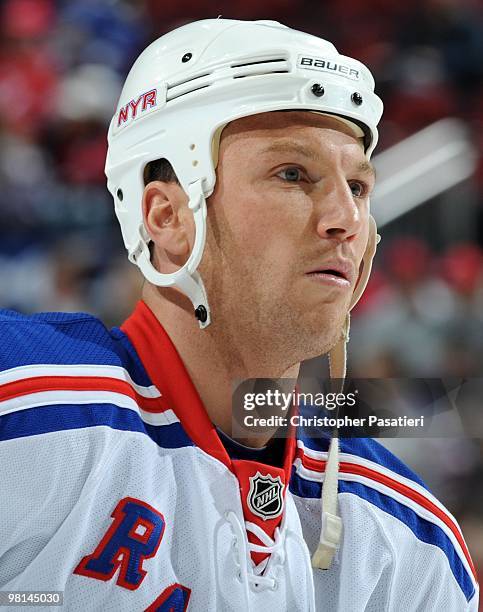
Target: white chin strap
pixel 331 529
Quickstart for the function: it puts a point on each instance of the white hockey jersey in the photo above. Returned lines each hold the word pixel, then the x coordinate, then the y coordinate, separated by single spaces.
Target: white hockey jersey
pixel 116 489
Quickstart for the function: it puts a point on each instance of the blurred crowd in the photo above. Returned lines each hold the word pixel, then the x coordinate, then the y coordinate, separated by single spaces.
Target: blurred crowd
pixel 422 314
pixel 62 64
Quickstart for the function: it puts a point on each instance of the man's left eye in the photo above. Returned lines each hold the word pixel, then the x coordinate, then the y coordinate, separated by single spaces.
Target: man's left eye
pixel 292 174
pixel 358 189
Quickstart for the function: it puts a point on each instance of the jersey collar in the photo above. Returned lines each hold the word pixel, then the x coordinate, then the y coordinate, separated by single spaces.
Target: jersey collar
pixel 168 373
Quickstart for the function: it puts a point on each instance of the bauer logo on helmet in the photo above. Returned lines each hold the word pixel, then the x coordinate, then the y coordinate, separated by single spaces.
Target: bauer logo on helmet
pixel 325 65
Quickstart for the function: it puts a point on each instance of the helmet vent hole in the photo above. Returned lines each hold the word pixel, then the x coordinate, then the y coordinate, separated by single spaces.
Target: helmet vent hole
pixel 195 162
pixel 254 63
pixel 257 67
pixel 192 147
pixel 278 65
pixel 120 195
pixel 186 57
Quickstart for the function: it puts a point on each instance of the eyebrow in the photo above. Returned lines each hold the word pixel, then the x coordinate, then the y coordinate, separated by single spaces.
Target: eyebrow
pixel 367 168
pixel 282 146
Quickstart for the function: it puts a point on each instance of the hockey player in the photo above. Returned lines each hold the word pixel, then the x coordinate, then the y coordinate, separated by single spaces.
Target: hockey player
pixel 239 165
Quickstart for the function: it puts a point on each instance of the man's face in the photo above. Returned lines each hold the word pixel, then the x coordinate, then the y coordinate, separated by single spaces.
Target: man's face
pixel 291 201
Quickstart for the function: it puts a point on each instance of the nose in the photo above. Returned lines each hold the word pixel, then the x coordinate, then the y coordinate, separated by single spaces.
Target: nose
pixel 340 215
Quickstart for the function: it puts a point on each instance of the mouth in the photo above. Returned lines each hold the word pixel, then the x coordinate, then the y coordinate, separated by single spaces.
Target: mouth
pixel 338 274
pixel 330 272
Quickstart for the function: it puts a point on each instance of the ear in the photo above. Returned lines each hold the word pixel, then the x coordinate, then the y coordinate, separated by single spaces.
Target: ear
pixel 168 221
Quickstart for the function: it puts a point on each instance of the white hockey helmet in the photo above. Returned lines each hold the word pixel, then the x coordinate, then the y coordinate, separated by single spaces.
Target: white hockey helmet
pixel 187 85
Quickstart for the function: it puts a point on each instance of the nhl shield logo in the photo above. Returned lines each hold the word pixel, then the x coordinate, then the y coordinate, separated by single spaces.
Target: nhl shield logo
pixel 265 496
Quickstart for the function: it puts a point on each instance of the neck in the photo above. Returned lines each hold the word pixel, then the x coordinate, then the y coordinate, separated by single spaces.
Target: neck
pixel 215 357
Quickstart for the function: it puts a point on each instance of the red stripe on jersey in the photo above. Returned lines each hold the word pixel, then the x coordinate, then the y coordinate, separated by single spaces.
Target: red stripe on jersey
pixel 39 384
pixel 166 369
pixel 318 465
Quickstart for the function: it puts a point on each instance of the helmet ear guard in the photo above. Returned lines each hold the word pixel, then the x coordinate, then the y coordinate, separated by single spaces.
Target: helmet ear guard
pixel 187 279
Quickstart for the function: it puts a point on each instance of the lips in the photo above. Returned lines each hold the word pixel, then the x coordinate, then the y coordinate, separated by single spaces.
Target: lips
pixel 338 268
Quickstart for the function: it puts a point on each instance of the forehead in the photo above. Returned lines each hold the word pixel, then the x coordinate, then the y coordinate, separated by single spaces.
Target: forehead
pixel 306 127
pixel 285 120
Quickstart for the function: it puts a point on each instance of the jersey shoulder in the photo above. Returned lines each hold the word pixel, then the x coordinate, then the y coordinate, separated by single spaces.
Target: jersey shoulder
pixel 57 338
pixel 370 473
pixel 65 371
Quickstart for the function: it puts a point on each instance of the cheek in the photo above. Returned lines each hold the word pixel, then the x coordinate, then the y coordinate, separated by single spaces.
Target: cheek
pixel 255 236
pixel 266 224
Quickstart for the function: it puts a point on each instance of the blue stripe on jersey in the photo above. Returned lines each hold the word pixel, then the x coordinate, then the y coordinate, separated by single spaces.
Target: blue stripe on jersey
pixel 68 339
pixel 304 488
pixel 45 419
pixel 424 530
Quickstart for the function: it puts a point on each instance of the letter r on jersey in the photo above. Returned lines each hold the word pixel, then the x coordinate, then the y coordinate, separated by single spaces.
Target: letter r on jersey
pixel 135 535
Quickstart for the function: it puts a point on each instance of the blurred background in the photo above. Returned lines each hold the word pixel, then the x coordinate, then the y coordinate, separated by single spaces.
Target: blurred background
pixel 62 64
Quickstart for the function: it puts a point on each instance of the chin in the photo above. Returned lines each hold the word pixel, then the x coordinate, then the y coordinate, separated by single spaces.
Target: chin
pixel 320 347
pixel 320 333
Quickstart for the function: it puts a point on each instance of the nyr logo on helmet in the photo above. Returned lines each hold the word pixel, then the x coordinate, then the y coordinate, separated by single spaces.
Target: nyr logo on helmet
pixel 136 107
pixel 265 496
pixel 326 65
